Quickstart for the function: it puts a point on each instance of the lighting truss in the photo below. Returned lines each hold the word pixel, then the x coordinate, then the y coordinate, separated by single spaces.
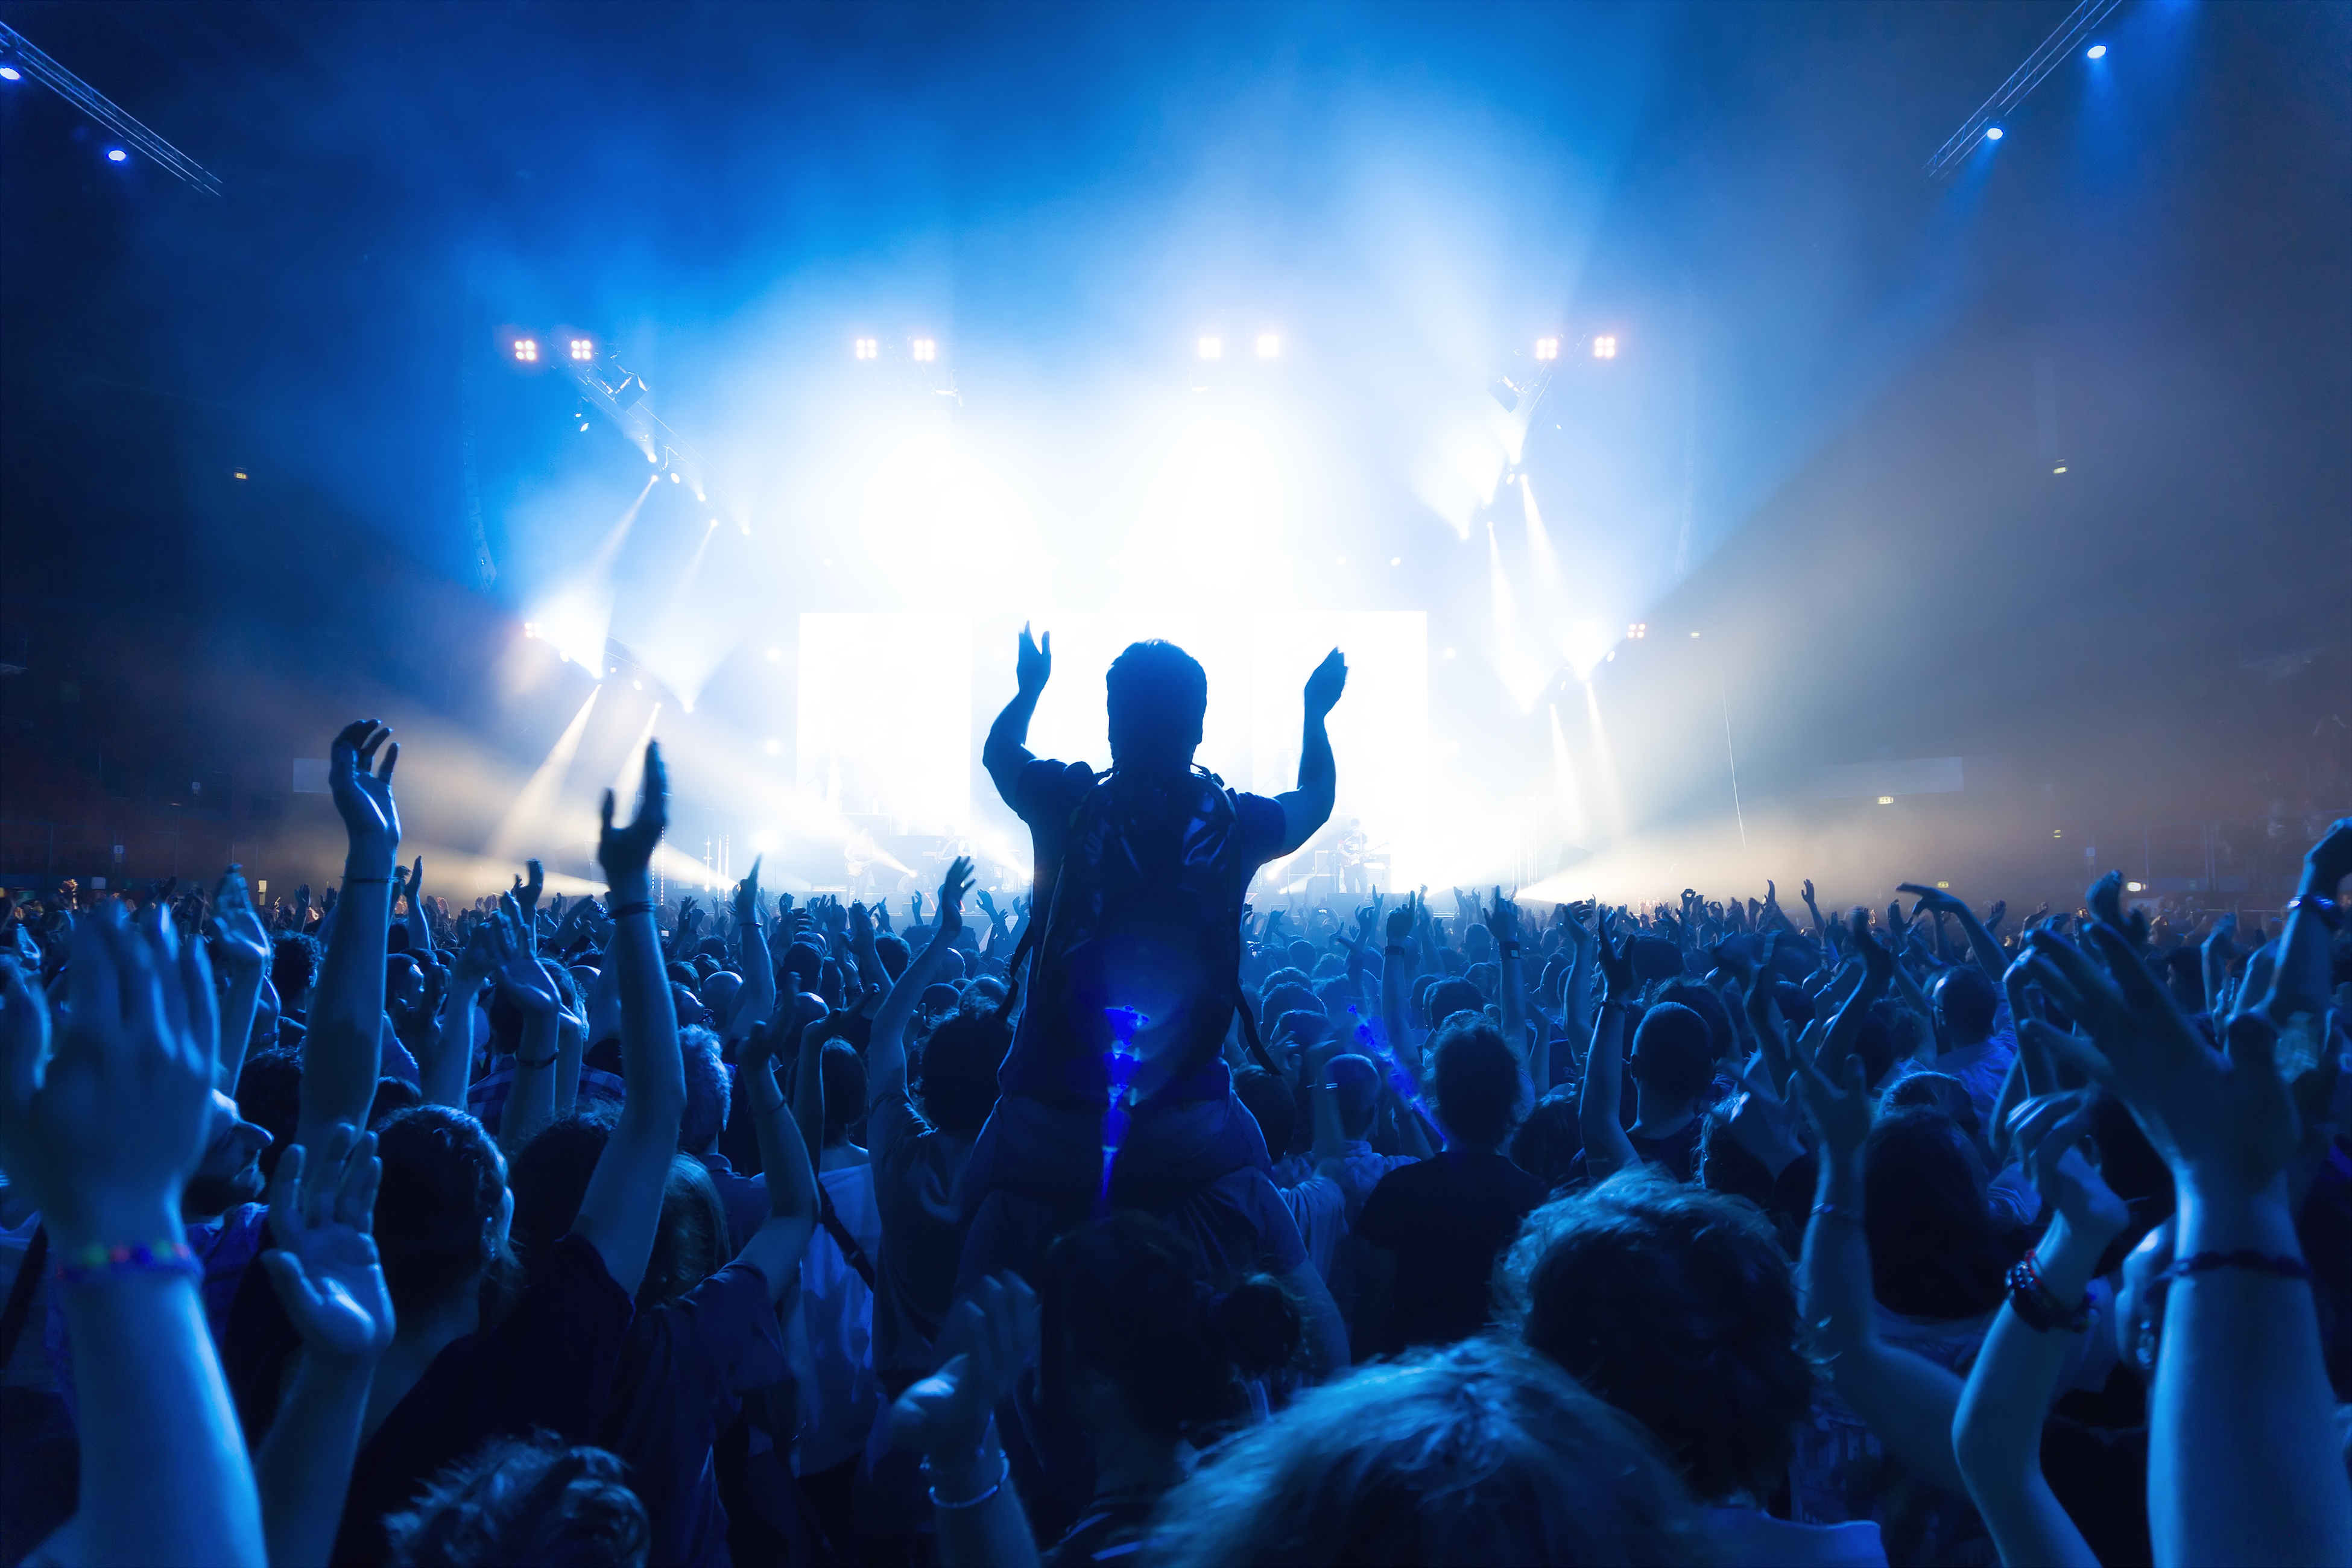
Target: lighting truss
pixel 2057 46
pixel 18 51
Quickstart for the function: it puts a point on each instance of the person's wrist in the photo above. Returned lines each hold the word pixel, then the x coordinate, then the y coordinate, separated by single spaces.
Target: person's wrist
pixel 77 1224
pixel 374 861
pixel 2069 1255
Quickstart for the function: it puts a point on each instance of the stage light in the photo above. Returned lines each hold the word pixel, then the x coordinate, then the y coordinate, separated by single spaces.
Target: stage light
pixel 2134 887
pixel 1212 348
pixel 672 478
pixel 2059 470
pixel 584 426
pixel 1638 629
pixel 238 474
pixel 775 654
pixel 925 349
pixel 10 73
pixel 583 349
pixel 1343 561
pixel 116 155
pixel 1268 346
pixel 526 351
pixel 1694 634
pixel 1449 653
pixel 867 348
pixel 1396 560
pixel 1994 133
pixel 2096 52
pixel 774 747
pixel 2057 833
pixel 1886 800
pixel 1604 348
pixel 1546 348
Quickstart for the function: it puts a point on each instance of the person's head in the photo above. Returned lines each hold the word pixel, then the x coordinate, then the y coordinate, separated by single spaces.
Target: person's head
pixel 442 1208
pixel 1548 1142
pixel 719 989
pixel 892 949
pixel 1939 1091
pixel 845 1090
pixel 1158 695
pixel 1304 1027
pixel 1448 997
pixel 1678 1308
pixel 550 1177
pixel 1477 943
pixel 404 978
pixel 958 1082
pixel 1134 1333
pixel 393 1096
pixel 707 1091
pixel 1285 998
pixel 294 968
pixel 1965 1001
pixel 1477 1082
pixel 1359 1081
pixel 230 1173
pixel 269 1095
pixel 1480 1453
pixel 1271 1104
pixel 525 1500
pixel 1301 954
pixel 1673 1056
pixel 1934 1252
pixel 1703 1001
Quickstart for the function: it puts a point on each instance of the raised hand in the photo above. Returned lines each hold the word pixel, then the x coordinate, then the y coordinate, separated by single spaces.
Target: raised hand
pixel 1839 1112
pixel 325 1267
pixel 627 852
pixel 2227 1120
pixel 363 792
pixel 2329 862
pixel 103 1136
pixel 520 979
pixel 237 926
pixel 1503 920
pixel 1616 959
pixel 527 892
pixel 988 1336
pixel 1033 666
pixel 747 896
pixel 2044 1132
pixel 1323 687
pixel 951 891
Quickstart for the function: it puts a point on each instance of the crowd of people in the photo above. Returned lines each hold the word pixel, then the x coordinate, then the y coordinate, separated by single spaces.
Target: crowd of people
pixel 1127 1221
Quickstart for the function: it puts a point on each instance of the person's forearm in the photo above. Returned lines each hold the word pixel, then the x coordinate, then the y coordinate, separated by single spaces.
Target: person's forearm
pixel 163 1472
pixel 991 1535
pixel 1997 1431
pixel 531 1097
pixel 1515 1009
pixel 2245 1461
pixel 2299 982
pixel 237 1010
pixel 304 1469
pixel 1600 1115
pixel 340 1048
pixel 759 997
pixel 885 1047
pixel 1990 956
pixel 1324 1334
pixel 444 1079
pixel 650 1059
pixel 1318 774
pixel 783 1154
pixel 1007 750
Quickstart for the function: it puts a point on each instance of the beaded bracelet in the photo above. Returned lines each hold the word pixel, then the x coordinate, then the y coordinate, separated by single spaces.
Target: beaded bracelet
pixel 85 1265
pixel 994 1487
pixel 2037 1307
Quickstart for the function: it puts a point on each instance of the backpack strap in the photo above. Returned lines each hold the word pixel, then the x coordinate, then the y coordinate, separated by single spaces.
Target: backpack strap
pixel 830 1218
pixel 20 1294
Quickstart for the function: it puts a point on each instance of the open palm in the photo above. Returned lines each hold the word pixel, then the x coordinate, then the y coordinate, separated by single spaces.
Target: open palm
pixel 326 1269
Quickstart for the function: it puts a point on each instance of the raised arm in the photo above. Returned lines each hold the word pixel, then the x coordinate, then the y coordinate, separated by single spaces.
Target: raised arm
pixel 775 1249
pixel 1988 954
pixel 886 1048
pixel 1007 751
pixel 1308 807
pixel 1599 1114
pixel 530 1099
pixel 345 1045
pixel 102 1143
pixel 757 999
pixel 622 1206
pixel 2299 983
pixel 244 948
pixel 1996 1433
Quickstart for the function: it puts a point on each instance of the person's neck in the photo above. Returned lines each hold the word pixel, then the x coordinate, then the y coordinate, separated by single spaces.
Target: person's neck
pixel 1463 1146
pixel 1961 1044
pixel 1127 1458
pixel 418 1339
pixel 1660 1121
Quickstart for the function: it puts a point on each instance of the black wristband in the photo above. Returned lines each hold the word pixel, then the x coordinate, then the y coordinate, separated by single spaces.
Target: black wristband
pixel 542 1062
pixel 642 907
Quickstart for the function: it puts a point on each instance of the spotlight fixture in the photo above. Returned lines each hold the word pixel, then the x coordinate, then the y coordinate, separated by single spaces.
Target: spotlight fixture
pixel 1886 800
pixel 1212 348
pixel 926 350
pixel 1604 348
pixel 10 73
pixel 526 351
pixel 867 348
pixel 1638 629
pixel 1994 133
pixel 1269 346
pixel 583 350
pixel 2096 52
pixel 1546 348
pixel 117 156
pixel 2135 888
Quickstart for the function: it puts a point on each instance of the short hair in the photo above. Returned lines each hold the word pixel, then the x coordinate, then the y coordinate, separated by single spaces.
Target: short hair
pixel 1702 999
pixel 294 959
pixel 1477 1082
pixel 1448 997
pixel 1939 1091
pixel 959 1064
pixel 1968 998
pixel 1674 1053
pixel 1358 1078
pixel 1157 689
pixel 1130 1298
pixel 1678 1306
pixel 524 1500
pixel 708 1090
pixel 269 1095
pixel 1270 1103
pixel 844 1074
pixel 892 949
pixel 1478 1453
pixel 1280 999
pixel 1308 1026
pixel 1548 1142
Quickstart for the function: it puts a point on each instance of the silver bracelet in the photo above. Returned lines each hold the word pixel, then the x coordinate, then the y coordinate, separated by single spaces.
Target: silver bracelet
pixel 1002 1476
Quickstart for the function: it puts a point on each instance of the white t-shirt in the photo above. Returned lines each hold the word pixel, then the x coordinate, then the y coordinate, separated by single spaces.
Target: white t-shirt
pixel 830 1339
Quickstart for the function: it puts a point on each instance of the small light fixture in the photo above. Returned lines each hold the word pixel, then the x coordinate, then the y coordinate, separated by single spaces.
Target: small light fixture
pixel 1886 800
pixel 2134 887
